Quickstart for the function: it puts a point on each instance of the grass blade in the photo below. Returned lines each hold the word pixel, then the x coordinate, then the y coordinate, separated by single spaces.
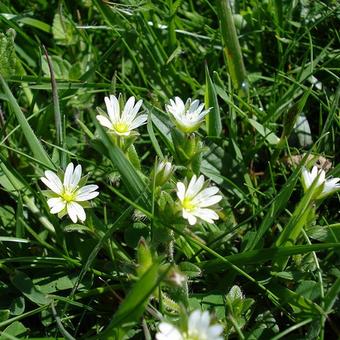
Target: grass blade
pixel 232 47
pixel 213 118
pixel 32 140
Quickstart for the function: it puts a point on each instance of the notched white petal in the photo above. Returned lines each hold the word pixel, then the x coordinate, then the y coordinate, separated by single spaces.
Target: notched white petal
pixel 86 196
pixel 68 175
pixel 104 121
pixel 76 177
pixel 52 181
pixel 180 190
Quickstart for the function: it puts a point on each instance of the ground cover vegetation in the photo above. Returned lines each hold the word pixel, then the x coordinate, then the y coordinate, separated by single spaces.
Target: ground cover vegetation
pixel 169 169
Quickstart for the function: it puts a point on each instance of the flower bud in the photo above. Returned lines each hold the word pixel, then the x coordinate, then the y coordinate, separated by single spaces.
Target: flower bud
pixel 144 257
pixel 163 172
pixel 176 277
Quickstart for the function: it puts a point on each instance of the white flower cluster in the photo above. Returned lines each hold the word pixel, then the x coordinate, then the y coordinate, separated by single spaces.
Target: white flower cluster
pixel 69 196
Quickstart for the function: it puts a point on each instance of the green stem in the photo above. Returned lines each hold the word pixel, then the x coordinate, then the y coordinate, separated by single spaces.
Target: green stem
pixel 36 211
pixel 57 114
pixel 322 291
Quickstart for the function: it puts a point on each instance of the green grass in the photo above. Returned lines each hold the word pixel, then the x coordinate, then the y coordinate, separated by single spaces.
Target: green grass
pixel 269 267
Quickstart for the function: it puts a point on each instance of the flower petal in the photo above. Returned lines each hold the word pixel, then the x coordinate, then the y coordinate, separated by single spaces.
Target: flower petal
pixel 179 105
pixel 214 331
pixel 134 111
pixel 180 191
pixel 189 216
pixel 112 107
pixel 194 105
pixel 52 181
pixel 140 120
pixel 194 320
pixel 206 193
pixel 75 177
pixel 104 121
pixel 207 215
pixel 205 321
pixel 168 332
pixel 68 175
pixel 56 204
pixel 76 211
pixel 127 109
pixel 194 186
pixel 208 201
pixel 115 105
pixel 314 172
pixel 87 189
pixel 86 196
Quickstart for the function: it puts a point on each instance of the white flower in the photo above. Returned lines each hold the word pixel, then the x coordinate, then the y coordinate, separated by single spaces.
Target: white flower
pixel 194 200
pixel 123 123
pixel 328 186
pixel 189 116
pixel 68 197
pixel 198 328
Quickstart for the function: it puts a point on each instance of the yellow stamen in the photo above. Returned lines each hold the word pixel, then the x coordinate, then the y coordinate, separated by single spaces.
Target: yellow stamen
pixel 68 196
pixel 187 204
pixel 192 337
pixel 121 127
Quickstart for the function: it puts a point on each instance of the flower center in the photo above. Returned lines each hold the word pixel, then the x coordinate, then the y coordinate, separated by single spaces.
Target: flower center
pixel 193 336
pixel 187 204
pixel 68 196
pixel 192 115
pixel 121 127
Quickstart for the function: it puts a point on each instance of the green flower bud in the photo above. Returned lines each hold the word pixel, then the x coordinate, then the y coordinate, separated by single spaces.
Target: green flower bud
pixel 144 257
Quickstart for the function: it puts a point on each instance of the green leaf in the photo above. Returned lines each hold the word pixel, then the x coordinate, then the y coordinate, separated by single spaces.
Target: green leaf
pixel 4 314
pixel 231 46
pixel 134 304
pixel 61 67
pixel 16 330
pixel 213 118
pixel 309 289
pixel 264 255
pixel 164 129
pixel 10 64
pixel 277 206
pixel 32 140
pixel 299 303
pixel 17 306
pixel 13 239
pixel 63 30
pixel 36 23
pixel 153 138
pixel 23 283
pixel 269 135
pixel 190 269
pixel 332 295
pixel 298 219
